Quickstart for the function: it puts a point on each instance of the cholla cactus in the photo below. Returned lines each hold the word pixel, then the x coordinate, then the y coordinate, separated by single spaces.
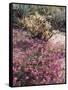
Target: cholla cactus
pixel 38 26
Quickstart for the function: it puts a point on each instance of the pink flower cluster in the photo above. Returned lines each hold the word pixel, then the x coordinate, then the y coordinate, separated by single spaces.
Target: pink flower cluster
pixel 34 62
